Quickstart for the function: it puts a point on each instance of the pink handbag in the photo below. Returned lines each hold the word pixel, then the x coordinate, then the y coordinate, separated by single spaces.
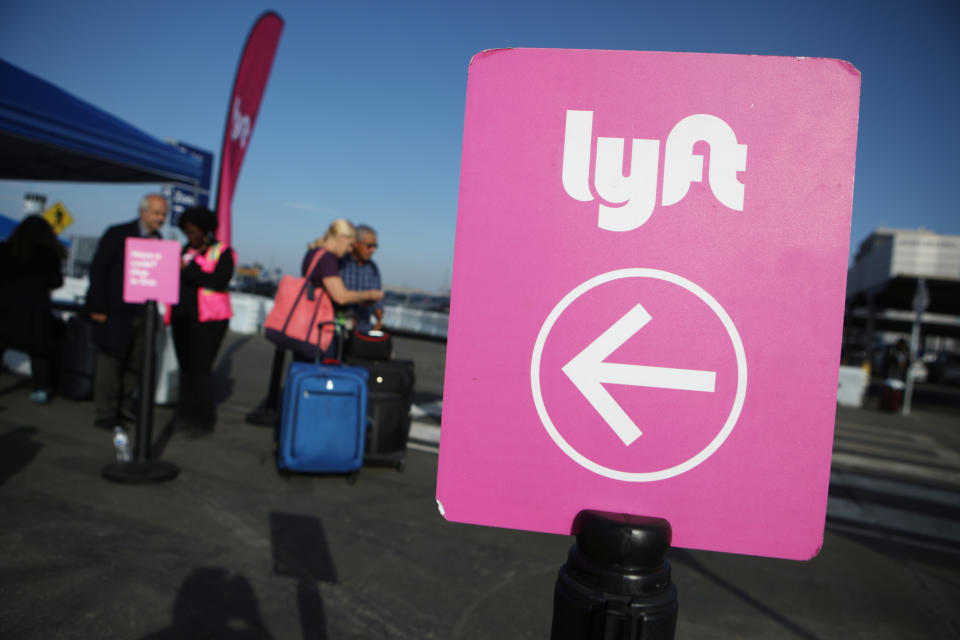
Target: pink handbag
pixel 298 308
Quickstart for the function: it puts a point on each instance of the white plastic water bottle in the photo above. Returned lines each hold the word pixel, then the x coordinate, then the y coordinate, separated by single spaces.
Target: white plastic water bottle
pixel 121 444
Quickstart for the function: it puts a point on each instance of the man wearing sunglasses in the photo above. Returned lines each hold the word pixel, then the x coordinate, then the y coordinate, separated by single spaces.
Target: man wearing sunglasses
pixel 360 272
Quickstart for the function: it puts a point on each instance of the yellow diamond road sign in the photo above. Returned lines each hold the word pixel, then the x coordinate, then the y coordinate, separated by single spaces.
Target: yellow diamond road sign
pixel 58 217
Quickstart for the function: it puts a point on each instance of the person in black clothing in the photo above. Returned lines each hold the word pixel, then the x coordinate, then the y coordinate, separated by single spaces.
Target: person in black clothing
pixel 30 268
pixel 200 320
pixel 117 325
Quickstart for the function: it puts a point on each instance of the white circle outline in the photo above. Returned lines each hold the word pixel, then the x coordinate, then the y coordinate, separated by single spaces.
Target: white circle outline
pixel 639 476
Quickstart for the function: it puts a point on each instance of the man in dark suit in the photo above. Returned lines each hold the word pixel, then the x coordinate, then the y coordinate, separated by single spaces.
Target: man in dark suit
pixel 118 326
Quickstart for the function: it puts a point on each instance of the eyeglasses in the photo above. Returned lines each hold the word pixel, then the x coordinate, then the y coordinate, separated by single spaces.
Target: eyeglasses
pixel 371 245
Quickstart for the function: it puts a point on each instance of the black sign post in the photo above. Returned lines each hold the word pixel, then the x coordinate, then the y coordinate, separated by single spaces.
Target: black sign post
pixel 142 469
pixel 616 582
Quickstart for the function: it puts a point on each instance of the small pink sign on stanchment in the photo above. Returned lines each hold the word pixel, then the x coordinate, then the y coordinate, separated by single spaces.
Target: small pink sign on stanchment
pixel 151 271
pixel 648 290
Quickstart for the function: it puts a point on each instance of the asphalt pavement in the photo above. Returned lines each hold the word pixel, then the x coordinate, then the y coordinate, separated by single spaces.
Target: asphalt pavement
pixel 231 549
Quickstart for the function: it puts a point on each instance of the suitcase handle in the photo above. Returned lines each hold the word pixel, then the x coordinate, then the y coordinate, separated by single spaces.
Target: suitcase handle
pixel 366 337
pixel 338 329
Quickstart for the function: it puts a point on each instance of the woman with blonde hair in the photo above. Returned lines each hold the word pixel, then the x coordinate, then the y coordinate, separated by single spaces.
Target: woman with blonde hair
pixel 325 273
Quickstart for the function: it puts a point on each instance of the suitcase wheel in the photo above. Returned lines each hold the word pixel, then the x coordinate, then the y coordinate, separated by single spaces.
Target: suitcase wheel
pixel 352 477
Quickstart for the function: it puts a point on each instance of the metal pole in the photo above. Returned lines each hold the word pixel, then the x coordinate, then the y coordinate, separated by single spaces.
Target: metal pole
pixel 869 333
pixel 920 301
pixel 616 582
pixel 142 470
pixel 145 419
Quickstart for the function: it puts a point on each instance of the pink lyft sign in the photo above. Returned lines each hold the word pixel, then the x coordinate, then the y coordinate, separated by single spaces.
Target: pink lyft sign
pixel 648 290
pixel 151 270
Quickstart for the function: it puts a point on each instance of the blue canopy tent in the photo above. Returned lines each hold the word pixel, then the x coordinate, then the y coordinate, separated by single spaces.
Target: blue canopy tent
pixel 48 134
pixel 7 225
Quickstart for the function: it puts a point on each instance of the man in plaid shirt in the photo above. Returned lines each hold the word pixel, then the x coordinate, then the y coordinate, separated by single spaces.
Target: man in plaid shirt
pixel 359 272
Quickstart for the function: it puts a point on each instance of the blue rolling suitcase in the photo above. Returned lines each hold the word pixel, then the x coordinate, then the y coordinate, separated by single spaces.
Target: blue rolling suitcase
pixel 323 419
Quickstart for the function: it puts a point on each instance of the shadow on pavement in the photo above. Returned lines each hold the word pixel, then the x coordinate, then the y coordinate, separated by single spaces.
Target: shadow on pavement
pixel 222 378
pixel 300 551
pixel 17 383
pixel 212 603
pixel 163 438
pixel 17 451
pixel 684 557
pixel 929 551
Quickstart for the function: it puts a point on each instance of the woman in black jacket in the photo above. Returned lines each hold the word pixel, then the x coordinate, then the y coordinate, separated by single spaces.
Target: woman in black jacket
pixel 200 319
pixel 30 268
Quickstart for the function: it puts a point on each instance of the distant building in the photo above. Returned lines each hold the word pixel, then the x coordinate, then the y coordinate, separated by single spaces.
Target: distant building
pixel 34 204
pixel 898 253
pixel 884 281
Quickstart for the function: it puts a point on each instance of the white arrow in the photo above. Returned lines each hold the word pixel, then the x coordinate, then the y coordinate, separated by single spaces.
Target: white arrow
pixel 588 372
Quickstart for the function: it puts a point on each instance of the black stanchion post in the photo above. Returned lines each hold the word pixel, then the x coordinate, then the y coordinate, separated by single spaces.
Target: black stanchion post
pixel 616 582
pixel 141 469
pixel 145 417
pixel 269 414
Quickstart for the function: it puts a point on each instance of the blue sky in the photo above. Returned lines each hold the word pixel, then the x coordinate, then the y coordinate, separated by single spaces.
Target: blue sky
pixel 363 114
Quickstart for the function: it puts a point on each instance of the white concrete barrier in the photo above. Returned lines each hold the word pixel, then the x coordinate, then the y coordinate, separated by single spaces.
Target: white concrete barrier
pixel 249 312
pixel 852 386
pixel 430 323
pixel 167 388
pixel 72 290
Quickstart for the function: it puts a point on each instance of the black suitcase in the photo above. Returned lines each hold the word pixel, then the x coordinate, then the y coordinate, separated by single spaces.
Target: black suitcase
pixel 390 394
pixel 79 357
pixel 373 346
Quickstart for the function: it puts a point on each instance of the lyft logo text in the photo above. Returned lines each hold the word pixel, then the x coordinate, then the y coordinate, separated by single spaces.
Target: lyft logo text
pixel 241 124
pixel 634 195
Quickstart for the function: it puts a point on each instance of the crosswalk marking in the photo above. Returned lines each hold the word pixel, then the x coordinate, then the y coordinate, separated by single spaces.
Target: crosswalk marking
pixel 895 485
